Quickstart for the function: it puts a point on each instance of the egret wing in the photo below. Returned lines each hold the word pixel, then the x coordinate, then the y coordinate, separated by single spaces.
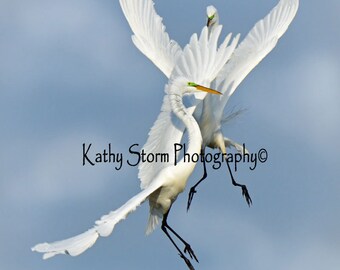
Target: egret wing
pixel 257 44
pixel 76 245
pixel 150 36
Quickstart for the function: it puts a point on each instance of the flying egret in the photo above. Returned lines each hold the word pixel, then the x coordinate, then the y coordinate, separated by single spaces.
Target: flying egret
pixel 152 40
pixel 164 183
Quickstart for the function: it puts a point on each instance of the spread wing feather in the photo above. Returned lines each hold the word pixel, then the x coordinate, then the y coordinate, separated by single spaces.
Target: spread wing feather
pixel 150 36
pixel 257 44
pixel 76 245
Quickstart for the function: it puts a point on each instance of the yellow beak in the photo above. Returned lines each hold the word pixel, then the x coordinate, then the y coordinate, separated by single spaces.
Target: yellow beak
pixel 204 89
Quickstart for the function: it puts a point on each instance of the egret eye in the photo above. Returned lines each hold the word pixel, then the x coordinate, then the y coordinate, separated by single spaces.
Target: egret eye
pixel 211 17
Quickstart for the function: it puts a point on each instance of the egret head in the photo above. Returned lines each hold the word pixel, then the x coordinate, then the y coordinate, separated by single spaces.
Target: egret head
pixel 212 16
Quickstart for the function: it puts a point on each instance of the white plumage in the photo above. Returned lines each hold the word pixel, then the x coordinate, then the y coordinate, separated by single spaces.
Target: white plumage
pixel 167 181
pixel 168 130
pixel 204 62
pixel 209 114
pixel 150 36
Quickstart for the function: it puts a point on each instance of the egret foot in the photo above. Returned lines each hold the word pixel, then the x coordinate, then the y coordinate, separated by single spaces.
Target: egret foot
pixel 193 188
pixel 191 196
pixel 245 192
pixel 187 248
pixel 191 253
pixel 246 195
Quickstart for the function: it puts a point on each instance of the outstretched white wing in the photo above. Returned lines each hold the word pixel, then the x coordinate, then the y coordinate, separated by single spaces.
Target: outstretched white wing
pixel 149 34
pixel 200 62
pixel 78 244
pixel 257 44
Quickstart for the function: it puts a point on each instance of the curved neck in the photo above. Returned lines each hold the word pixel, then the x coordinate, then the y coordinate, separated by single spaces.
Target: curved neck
pixel 194 133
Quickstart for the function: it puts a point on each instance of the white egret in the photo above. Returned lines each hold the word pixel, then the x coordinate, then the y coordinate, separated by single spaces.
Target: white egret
pixel 200 62
pixel 152 40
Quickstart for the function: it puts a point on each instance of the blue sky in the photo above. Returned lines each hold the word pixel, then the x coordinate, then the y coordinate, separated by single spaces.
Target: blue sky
pixel 69 74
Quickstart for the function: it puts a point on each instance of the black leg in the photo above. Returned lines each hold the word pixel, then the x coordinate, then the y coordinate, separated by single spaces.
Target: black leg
pixel 193 188
pixel 187 248
pixel 245 192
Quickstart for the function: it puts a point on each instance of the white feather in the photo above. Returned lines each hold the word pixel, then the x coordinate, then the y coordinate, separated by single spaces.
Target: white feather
pixel 150 36
pixel 78 244
pixel 257 44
